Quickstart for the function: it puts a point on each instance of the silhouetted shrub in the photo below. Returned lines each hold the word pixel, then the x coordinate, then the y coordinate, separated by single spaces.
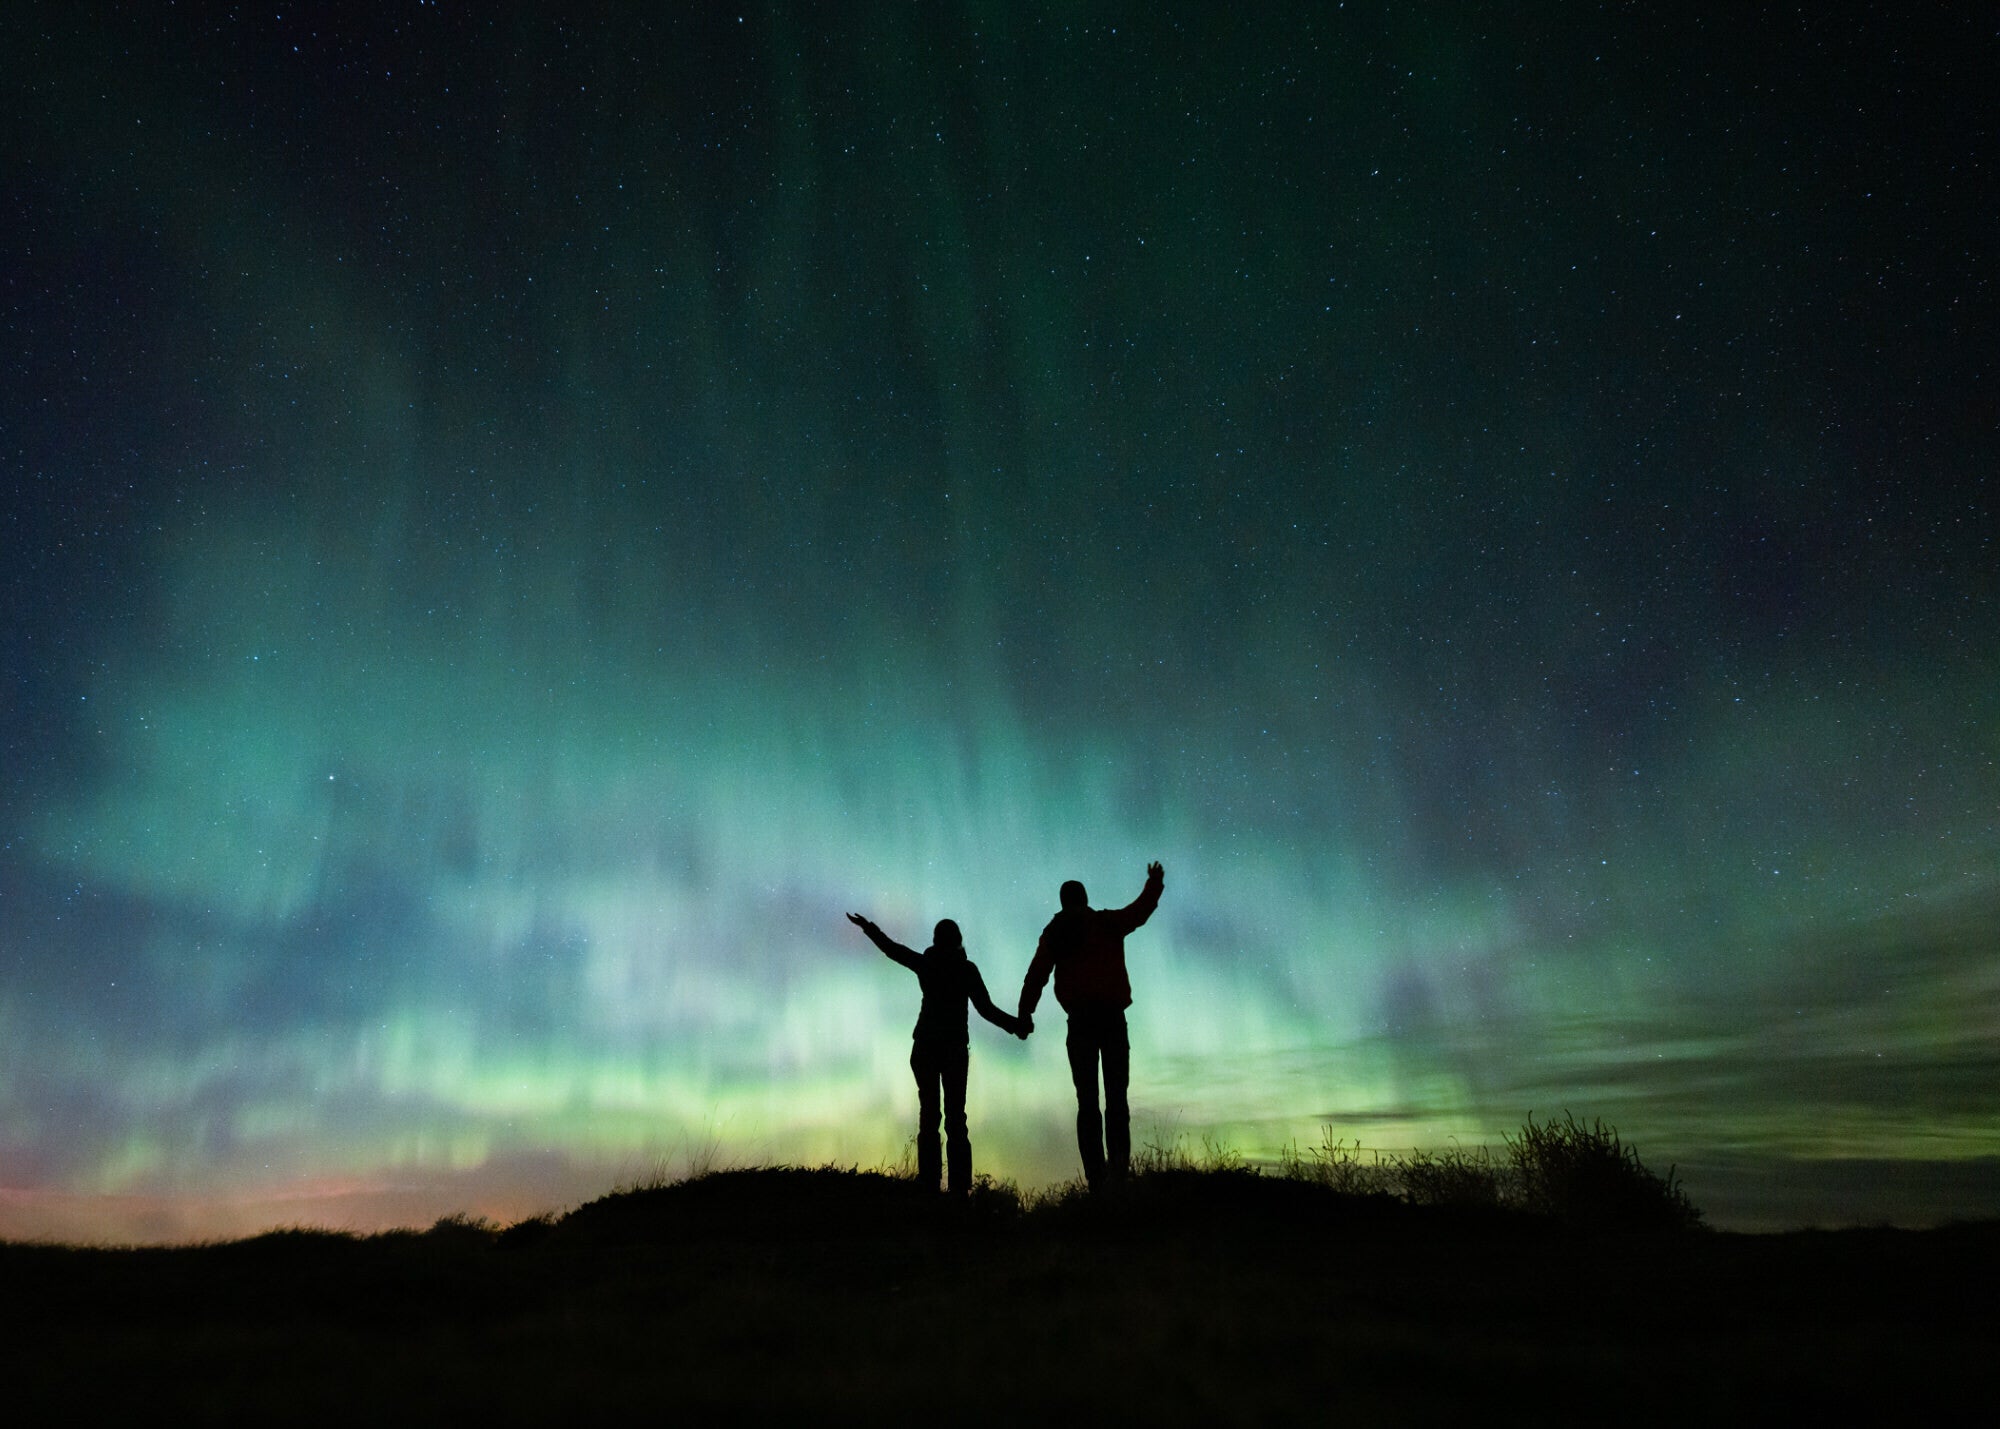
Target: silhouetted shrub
pixel 1586 1176
pixel 460 1228
pixel 531 1232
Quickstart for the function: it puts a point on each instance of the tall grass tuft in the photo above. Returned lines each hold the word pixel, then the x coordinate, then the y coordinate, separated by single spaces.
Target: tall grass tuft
pixel 1566 1170
pixel 1163 1152
pixel 1340 1168
pixel 1455 1177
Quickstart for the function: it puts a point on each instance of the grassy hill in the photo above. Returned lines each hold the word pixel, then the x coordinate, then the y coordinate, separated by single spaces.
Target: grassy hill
pixel 1201 1291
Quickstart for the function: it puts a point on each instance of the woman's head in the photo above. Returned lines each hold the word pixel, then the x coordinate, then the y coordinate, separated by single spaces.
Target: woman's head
pixel 946 935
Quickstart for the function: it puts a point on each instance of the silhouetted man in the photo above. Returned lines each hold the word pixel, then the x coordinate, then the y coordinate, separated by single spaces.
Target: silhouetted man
pixel 940 1041
pixel 1085 948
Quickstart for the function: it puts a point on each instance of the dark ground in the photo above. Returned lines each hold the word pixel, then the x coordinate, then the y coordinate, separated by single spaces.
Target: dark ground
pixel 844 1296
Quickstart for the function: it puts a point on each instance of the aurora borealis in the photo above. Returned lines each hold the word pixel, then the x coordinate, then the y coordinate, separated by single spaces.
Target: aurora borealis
pixel 513 526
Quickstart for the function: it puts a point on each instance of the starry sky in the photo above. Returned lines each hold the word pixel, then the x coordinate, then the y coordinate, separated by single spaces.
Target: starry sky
pixel 513 525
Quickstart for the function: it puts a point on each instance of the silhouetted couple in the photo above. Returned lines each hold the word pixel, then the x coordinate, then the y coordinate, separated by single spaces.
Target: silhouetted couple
pixel 1084 948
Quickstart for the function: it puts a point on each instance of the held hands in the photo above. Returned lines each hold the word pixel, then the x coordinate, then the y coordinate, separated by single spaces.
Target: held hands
pixel 1023 1025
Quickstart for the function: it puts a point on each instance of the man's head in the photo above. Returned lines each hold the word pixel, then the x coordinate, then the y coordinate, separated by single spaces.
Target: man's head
pixel 1073 895
pixel 946 934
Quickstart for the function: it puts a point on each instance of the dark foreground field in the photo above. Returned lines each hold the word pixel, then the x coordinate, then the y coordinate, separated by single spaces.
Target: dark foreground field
pixel 840 1295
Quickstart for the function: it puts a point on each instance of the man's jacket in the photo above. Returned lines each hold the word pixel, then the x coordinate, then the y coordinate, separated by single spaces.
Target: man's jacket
pixel 1085 948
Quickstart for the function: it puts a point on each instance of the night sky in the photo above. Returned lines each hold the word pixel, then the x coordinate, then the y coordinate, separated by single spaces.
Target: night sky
pixel 512 527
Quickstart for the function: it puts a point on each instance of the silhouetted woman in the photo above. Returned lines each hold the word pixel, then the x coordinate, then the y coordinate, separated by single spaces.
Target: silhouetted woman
pixel 938 1050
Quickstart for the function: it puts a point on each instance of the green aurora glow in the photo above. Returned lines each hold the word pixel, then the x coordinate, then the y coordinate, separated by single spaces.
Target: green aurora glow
pixel 531 562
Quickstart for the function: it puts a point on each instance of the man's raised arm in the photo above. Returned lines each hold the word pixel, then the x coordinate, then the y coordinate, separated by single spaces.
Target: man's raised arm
pixel 1141 908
